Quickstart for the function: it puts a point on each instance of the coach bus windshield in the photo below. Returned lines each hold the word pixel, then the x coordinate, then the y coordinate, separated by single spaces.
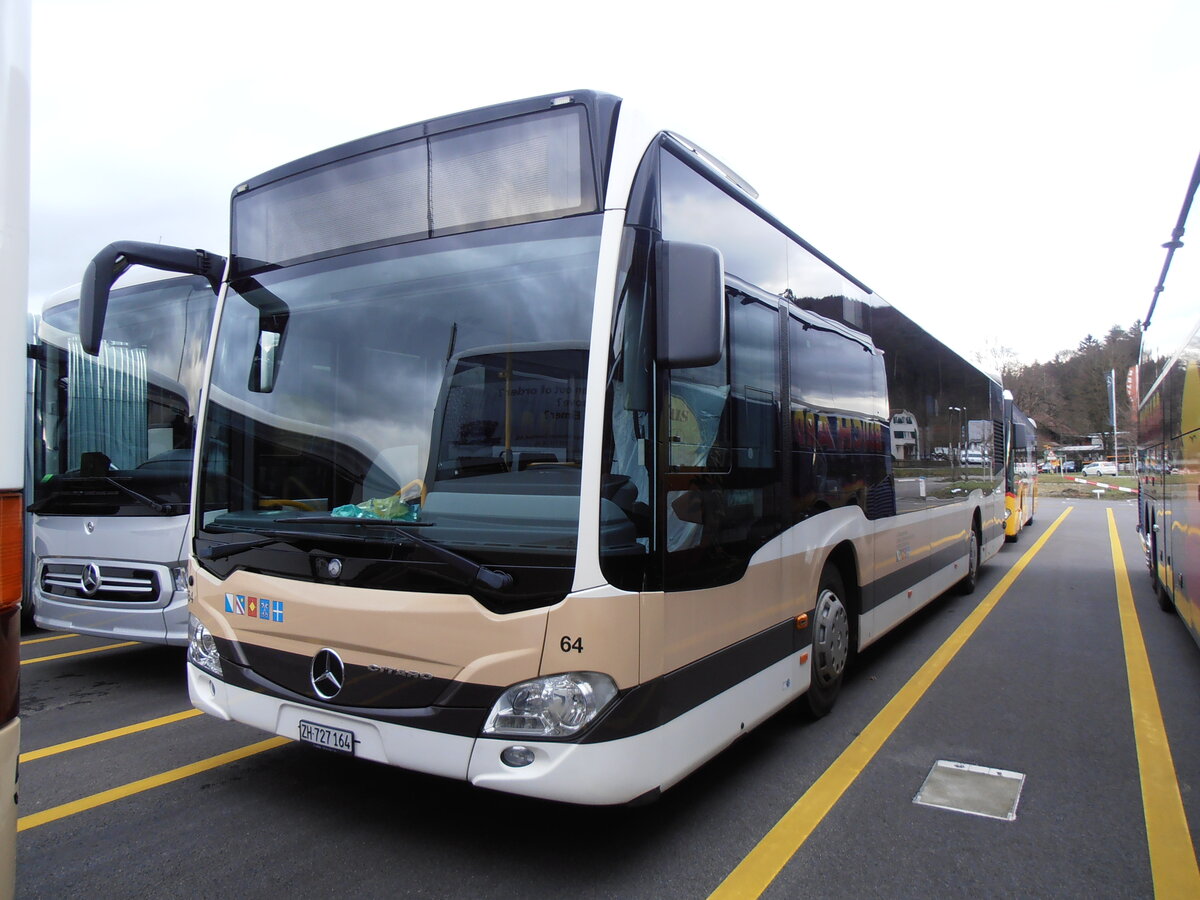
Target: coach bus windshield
pixel 435 385
pixel 114 432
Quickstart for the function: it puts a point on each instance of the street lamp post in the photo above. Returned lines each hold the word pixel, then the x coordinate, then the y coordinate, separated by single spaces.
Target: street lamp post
pixel 1111 379
pixel 955 440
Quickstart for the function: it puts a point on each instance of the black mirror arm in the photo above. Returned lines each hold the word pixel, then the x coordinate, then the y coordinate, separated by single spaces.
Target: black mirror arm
pixel 110 263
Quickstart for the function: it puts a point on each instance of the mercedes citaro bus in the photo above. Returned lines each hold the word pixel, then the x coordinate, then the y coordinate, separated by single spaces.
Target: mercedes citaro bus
pixel 536 452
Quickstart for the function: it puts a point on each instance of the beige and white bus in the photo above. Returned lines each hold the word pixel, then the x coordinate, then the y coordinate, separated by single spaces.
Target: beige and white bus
pixel 535 452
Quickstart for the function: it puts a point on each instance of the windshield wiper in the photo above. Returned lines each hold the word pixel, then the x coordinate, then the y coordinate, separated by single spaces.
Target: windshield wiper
pixel 471 571
pixel 158 507
pixel 77 492
pixel 220 551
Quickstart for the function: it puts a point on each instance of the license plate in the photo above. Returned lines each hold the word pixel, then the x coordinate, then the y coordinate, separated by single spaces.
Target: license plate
pixel 337 739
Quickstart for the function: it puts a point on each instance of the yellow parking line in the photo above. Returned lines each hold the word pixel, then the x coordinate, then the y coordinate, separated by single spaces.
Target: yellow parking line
pixel 754 874
pixel 1172 854
pixel 57 637
pixel 31 755
pixel 37 659
pixel 145 784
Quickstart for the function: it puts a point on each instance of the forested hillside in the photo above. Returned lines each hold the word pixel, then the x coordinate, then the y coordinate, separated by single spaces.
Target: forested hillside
pixel 1068 396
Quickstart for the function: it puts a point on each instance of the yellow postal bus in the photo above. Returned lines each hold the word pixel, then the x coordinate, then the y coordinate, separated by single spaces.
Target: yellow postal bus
pixel 1020 473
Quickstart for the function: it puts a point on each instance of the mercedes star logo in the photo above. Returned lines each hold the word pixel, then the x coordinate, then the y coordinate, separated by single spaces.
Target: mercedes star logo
pixel 89 580
pixel 328 674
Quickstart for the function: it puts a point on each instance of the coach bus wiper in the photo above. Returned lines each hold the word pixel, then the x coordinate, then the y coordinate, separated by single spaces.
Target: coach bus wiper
pixel 76 492
pixel 158 507
pixel 473 572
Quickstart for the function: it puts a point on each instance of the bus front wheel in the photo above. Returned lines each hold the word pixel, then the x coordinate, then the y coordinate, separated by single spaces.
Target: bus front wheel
pixel 967 585
pixel 830 644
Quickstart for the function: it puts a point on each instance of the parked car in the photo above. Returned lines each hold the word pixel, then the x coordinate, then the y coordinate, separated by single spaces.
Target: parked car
pixel 1069 466
pixel 1100 468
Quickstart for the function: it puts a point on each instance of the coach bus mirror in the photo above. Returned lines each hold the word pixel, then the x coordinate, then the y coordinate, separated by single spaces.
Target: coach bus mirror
pixel 112 262
pixel 691 304
pixel 273 315
pixel 264 369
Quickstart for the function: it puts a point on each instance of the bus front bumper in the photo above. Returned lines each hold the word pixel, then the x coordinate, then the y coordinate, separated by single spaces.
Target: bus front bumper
pixel 161 625
pixel 600 773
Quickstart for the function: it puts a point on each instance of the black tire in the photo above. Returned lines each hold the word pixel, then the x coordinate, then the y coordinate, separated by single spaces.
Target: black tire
pixel 967 585
pixel 1164 599
pixel 830 645
pixel 1160 591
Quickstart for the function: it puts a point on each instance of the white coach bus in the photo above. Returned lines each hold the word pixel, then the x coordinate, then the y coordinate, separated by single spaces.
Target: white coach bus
pixel 111 453
pixel 537 453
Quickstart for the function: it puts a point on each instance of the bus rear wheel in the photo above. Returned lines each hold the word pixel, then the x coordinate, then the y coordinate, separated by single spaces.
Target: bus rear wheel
pixel 967 585
pixel 830 644
pixel 1161 594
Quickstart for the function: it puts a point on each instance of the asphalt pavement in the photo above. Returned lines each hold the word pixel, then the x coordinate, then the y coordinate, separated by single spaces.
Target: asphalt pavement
pixel 141 797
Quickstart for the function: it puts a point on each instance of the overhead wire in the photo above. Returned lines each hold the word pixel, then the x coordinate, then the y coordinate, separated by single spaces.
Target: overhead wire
pixel 1175 243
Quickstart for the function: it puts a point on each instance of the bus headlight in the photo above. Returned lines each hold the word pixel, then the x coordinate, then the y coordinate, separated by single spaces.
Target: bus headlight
pixel 179 577
pixel 202 649
pixel 552 706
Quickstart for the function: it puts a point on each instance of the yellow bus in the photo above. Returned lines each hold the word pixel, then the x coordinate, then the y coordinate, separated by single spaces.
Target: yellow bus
pixel 1169 434
pixel 1020 471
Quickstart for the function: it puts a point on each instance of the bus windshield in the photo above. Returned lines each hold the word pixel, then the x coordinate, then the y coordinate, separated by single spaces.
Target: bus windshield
pixel 457 401
pixel 114 433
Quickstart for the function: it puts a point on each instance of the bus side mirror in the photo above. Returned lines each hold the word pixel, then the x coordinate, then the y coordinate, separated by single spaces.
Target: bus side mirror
pixel 111 263
pixel 691 304
pixel 264 369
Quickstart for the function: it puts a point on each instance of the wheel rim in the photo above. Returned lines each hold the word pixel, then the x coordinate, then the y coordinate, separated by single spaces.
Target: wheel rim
pixel 973 550
pixel 831 638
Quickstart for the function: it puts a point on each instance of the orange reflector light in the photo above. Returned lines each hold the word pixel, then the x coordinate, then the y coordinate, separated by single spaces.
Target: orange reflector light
pixel 803 658
pixel 801 621
pixel 12 552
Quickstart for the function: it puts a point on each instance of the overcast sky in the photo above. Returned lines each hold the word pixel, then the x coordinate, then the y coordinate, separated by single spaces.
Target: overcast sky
pixel 1005 173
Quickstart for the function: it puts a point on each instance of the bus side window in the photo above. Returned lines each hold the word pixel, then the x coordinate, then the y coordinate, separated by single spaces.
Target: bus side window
pixel 699 427
pixel 755 363
pixel 838 408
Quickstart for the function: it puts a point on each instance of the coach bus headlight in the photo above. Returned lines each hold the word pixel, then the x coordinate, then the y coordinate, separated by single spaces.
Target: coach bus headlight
pixel 179 577
pixel 553 706
pixel 202 649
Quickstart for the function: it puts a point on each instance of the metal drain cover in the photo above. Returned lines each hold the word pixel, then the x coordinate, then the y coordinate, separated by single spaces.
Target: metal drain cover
pixel 977 790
